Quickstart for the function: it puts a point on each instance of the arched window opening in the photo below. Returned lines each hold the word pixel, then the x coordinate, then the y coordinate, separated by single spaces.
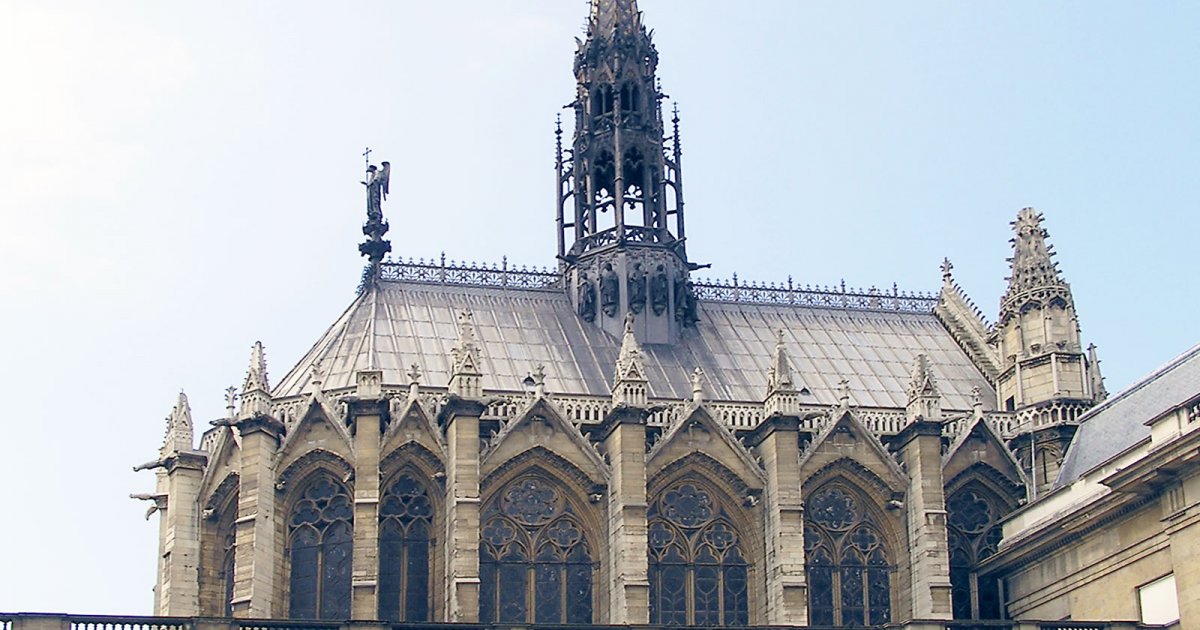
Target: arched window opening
pixel 405 540
pixel 846 557
pixel 634 171
pixel 698 570
pixel 535 562
pixel 602 100
pixel 973 534
pixel 320 533
pixel 227 535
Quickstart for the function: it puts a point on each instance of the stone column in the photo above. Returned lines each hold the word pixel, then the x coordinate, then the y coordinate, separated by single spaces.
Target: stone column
pixel 460 417
pixel 367 412
pixel 256 558
pixel 777 442
pixel 920 448
pixel 179 594
pixel 624 437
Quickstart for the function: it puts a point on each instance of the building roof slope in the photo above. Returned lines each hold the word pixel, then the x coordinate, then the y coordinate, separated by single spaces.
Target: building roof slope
pixel 396 324
pixel 1120 422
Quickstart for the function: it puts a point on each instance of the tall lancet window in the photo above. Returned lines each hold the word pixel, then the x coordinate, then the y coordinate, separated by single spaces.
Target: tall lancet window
pixel 535 562
pixel 405 536
pixel 698 567
pixel 320 533
pixel 974 533
pixel 227 534
pixel 847 560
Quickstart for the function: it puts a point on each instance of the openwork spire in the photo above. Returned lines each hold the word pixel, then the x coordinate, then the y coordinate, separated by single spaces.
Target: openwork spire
pixel 179 428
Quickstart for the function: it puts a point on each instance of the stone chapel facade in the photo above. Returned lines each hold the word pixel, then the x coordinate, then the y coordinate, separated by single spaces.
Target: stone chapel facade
pixel 618 442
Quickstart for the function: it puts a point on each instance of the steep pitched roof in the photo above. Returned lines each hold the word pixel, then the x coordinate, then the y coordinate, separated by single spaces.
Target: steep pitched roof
pixel 1120 422
pixel 416 323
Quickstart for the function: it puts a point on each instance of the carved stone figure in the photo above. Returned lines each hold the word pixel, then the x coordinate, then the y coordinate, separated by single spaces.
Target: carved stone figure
pixel 587 298
pixel 685 302
pixel 609 291
pixel 659 295
pixel 637 289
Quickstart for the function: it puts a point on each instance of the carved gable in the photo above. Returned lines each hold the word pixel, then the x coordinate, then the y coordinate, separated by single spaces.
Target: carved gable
pixel 848 439
pixel 540 424
pixel 696 433
pixel 316 429
pixel 224 459
pixel 977 447
pixel 411 422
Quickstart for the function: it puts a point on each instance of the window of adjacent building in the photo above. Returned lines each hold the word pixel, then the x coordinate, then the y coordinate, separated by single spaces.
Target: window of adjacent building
pixel 320 534
pixel 698 568
pixel 405 537
pixel 1158 601
pixel 973 534
pixel 847 560
pixel 535 561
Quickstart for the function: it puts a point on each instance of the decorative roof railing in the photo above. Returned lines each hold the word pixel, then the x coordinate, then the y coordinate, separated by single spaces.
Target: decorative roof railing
pixel 468 274
pixel 440 271
pixel 832 297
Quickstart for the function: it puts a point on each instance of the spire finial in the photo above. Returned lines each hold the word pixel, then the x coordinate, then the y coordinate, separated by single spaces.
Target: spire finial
pixel 414 381
pixel 947 266
pixel 231 402
pixel 698 386
pixel 629 382
pixel 179 427
pixel 466 378
pixel 924 399
pixel 256 392
pixel 844 393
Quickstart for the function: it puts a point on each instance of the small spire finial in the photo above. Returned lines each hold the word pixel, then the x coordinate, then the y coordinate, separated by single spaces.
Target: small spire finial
pixel 230 401
pixel 698 386
pixel 414 381
pixel 947 266
pixel 844 393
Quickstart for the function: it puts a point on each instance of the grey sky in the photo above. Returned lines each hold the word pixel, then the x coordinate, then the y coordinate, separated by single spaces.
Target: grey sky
pixel 179 181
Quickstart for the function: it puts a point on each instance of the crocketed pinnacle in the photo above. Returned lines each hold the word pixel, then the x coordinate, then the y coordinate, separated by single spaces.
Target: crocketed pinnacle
pixel 922 385
pixel 629 361
pixel 779 375
pixel 466 350
pixel 179 428
pixel 256 374
pixel 1033 266
pixel 610 16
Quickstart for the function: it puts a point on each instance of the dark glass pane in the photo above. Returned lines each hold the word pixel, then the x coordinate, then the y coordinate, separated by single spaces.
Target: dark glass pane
pixel 989 599
pixel 416 591
pixel 706 586
pixel 820 589
pixel 487 588
pixel 579 593
pixel 548 593
pixel 853 602
pixel 960 591
pixel 303 585
pixel 512 586
pixel 673 595
pixel 335 574
pixel 737 609
pixel 879 595
pixel 655 592
pixel 391 564
pixel 227 581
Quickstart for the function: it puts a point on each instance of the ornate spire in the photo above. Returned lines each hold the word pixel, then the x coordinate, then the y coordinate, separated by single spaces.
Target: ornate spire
pixel 466 378
pixel 179 428
pixel 1096 380
pixel 629 382
pixel 1033 266
pixel 256 392
pixel 924 399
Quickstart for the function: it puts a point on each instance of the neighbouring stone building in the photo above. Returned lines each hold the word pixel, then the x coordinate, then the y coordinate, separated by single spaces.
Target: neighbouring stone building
pixel 616 441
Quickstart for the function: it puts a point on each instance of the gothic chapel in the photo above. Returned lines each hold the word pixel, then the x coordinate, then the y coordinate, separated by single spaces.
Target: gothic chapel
pixel 616 441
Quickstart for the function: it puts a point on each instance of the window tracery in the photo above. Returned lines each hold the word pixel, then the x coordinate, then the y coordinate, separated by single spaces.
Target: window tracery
pixel 698 571
pixel 535 562
pixel 320 533
pixel 847 560
pixel 974 533
pixel 405 541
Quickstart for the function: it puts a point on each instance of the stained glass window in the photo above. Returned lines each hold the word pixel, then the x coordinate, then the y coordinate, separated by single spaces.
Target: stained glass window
pixel 847 561
pixel 320 532
pixel 973 534
pixel 535 562
pixel 405 539
pixel 698 570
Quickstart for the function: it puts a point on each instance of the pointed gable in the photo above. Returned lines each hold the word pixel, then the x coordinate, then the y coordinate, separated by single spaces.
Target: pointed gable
pixel 412 423
pixel 317 428
pixel 847 438
pixel 697 432
pixel 541 425
pixel 979 448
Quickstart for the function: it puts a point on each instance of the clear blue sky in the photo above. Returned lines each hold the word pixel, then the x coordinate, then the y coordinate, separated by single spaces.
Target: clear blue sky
pixel 177 182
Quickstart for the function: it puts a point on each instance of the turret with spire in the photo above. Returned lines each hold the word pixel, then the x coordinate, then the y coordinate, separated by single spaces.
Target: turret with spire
pixel 620 202
pixel 1045 376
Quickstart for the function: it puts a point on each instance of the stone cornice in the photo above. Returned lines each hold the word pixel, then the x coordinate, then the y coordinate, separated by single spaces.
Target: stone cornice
pixel 458 406
pixel 771 425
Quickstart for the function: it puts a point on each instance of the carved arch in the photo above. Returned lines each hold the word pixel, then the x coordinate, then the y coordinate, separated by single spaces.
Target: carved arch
pixel 551 463
pixel 856 475
pixel 317 411
pixel 732 482
pixel 311 462
pixel 411 453
pixel 1010 491
pixel 224 491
